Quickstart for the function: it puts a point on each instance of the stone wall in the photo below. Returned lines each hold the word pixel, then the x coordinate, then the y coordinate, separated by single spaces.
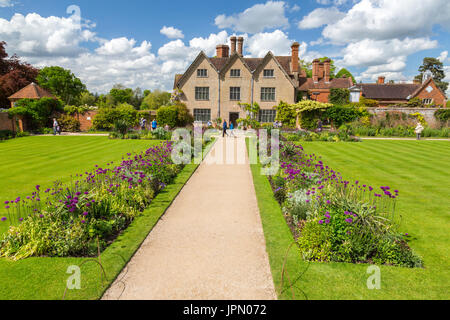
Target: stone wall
pixel 428 113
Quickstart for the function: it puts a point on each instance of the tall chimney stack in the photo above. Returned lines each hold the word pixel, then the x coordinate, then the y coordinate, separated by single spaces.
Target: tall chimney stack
pixel 315 70
pixel 294 63
pixel 222 51
pixel 327 67
pixel 233 45
pixel 381 80
pixel 241 45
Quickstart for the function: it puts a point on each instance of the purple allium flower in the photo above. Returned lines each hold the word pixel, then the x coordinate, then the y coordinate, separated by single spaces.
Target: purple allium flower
pixel 321 222
pixel 327 221
pixel 83 221
pixel 349 220
pixel 328 202
pixel 38 187
pixel 41 216
pixel 85 214
pixel 6 202
pixel 328 215
pixel 21 219
pixel 4 219
pixel 7 207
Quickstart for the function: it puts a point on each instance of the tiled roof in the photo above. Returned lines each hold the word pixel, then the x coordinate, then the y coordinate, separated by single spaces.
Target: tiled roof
pixel 399 91
pixel 309 84
pixel 253 63
pixel 32 91
pixel 177 78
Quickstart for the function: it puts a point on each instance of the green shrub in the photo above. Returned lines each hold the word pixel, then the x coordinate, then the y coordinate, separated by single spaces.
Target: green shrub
pixel 69 123
pixel 286 114
pixel 314 243
pixel 167 116
pixel 6 134
pixel 162 134
pixel 339 96
pixel 442 115
pixel 106 117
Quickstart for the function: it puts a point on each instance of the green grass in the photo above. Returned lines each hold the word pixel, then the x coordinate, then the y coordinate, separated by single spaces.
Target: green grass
pixel 45 278
pixel 420 171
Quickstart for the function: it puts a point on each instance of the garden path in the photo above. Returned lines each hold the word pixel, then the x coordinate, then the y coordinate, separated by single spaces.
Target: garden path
pixel 210 243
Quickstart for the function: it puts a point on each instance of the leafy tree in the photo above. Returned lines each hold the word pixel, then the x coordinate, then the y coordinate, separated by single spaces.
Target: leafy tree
pixel 344 72
pixel 437 69
pixel 62 83
pixel 156 99
pixel 339 96
pixel 107 117
pixel 87 99
pixel 286 114
pixel 119 94
pixel 175 116
pixel 14 75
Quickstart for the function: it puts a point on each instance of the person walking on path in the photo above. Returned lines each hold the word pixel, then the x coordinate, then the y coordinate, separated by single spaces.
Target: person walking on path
pixel 143 123
pixel 56 127
pixel 232 130
pixel 225 127
pixel 419 130
pixel 154 125
pixel 320 125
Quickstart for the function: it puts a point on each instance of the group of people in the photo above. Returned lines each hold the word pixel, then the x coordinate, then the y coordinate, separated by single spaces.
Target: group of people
pixel 229 131
pixel 143 124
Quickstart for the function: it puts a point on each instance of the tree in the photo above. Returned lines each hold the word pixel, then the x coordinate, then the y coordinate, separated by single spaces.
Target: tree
pixel 62 83
pixel 14 75
pixel 437 69
pixel 121 94
pixel 339 96
pixel 344 72
pixel 37 113
pixel 87 99
pixel 156 99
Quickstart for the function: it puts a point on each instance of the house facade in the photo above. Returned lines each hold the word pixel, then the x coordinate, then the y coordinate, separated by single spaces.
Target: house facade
pixel 389 94
pixel 212 88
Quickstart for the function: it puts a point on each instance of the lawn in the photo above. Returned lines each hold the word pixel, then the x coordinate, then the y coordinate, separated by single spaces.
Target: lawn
pixel 420 171
pixel 41 160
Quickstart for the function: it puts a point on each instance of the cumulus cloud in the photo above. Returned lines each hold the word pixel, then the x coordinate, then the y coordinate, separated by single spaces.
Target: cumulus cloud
pixel 443 56
pixel 386 19
pixel 172 33
pixel 256 19
pixel 320 17
pixel 6 3
pixel 370 52
pixel 33 35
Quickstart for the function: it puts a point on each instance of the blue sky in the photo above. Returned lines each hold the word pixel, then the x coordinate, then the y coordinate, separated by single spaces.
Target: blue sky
pixel 144 43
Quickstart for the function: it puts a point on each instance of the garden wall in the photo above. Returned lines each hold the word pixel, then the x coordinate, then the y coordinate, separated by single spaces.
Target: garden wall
pixel 5 122
pixel 86 120
pixel 428 113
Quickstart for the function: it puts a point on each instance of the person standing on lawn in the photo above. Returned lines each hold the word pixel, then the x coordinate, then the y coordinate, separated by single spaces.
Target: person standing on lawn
pixel 56 127
pixel 154 125
pixel 225 127
pixel 419 130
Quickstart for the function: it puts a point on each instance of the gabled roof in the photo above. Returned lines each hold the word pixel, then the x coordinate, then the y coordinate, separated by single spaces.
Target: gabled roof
pixel 31 91
pixel 281 64
pixel 191 68
pixel 229 61
pixel 306 84
pixel 400 91
pixel 426 84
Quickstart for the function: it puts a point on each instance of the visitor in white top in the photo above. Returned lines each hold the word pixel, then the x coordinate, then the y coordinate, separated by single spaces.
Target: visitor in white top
pixel 419 130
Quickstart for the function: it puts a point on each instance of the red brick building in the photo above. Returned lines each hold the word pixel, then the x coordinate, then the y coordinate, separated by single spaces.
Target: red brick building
pixel 388 94
pixel 32 91
pixel 318 87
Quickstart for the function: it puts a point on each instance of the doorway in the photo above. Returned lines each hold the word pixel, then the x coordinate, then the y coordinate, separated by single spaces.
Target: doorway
pixel 234 117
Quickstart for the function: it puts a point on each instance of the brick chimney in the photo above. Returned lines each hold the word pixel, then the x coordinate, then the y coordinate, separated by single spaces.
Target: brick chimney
pixel 315 70
pixel 222 51
pixel 381 80
pixel 327 70
pixel 240 45
pixel 233 45
pixel 294 63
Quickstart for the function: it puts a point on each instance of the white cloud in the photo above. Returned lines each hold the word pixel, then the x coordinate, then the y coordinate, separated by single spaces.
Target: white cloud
pixel 335 2
pixel 369 52
pixel 33 35
pixel 295 8
pixel 172 33
pixel 386 19
pixel 443 56
pixel 256 19
pixel 6 3
pixel 320 17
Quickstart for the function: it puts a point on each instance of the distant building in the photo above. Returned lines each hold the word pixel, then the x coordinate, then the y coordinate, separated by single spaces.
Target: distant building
pixel 391 93
pixel 32 91
pixel 213 87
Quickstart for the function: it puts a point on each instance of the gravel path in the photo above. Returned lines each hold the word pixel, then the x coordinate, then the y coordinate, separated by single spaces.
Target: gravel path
pixel 209 245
